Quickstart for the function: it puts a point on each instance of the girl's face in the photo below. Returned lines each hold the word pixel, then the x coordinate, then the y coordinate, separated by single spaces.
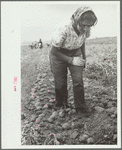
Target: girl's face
pixel 84 26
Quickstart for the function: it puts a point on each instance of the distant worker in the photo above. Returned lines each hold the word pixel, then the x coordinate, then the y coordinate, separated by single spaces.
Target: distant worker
pixel 40 43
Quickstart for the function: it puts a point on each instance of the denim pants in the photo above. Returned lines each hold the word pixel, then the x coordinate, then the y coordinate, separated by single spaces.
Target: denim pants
pixel 59 70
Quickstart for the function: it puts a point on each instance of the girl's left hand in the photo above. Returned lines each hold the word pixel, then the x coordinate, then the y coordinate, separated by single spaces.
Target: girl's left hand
pixel 83 61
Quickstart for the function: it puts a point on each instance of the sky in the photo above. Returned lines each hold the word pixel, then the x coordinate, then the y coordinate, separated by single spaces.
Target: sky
pixel 39 19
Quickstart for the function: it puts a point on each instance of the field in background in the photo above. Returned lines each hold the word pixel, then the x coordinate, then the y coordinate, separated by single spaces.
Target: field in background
pixel 100 82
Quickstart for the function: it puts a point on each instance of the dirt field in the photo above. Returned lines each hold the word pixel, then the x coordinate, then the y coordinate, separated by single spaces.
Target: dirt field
pixel 38 96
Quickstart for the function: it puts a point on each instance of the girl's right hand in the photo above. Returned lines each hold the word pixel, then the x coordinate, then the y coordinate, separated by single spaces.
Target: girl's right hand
pixel 78 61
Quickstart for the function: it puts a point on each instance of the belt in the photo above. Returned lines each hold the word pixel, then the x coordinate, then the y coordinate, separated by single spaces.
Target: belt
pixel 71 53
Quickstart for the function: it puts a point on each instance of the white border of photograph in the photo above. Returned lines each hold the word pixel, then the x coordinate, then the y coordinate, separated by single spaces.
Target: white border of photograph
pixel 11 67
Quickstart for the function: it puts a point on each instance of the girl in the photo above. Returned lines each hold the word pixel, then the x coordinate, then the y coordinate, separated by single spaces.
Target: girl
pixel 68 51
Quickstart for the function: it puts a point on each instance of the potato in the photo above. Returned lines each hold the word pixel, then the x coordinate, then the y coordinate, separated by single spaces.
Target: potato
pixel 54 114
pixel 50 120
pixel 90 140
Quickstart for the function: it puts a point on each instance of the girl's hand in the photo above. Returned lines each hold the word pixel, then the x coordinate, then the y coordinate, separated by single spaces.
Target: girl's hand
pixel 88 33
pixel 78 61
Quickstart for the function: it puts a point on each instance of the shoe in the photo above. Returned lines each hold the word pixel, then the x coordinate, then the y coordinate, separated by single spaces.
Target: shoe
pixel 57 107
pixel 68 106
pixel 83 112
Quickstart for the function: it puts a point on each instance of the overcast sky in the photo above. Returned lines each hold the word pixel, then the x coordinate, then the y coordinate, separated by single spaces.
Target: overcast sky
pixel 39 19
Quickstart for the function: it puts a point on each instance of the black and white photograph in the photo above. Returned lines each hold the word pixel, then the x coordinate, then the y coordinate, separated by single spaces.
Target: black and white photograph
pixel 68 82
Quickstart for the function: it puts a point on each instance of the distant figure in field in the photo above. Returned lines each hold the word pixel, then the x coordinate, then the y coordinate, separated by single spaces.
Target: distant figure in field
pixel 34 45
pixel 40 45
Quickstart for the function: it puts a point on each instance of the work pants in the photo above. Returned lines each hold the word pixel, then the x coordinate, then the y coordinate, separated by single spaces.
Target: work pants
pixel 59 70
